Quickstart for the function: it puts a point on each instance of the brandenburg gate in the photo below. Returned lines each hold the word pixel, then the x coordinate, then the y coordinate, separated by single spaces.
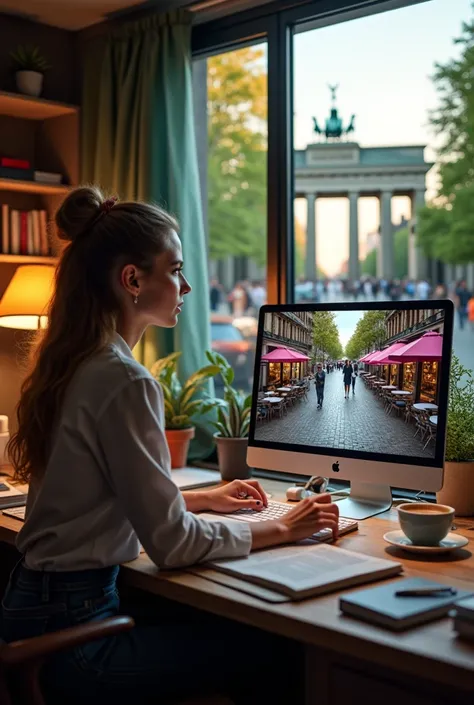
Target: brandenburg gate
pixel 335 168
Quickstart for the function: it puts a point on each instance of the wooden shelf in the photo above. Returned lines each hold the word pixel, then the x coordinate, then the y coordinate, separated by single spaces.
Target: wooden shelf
pixel 27 259
pixel 24 106
pixel 33 187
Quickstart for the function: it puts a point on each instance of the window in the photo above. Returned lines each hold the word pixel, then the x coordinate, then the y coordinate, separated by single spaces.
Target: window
pixel 368 176
pixel 231 127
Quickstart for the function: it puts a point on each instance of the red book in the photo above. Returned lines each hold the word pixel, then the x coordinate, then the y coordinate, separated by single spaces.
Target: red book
pixel 23 233
pixel 15 163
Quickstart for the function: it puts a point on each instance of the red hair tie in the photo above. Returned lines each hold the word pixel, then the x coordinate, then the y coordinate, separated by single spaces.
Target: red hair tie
pixel 108 204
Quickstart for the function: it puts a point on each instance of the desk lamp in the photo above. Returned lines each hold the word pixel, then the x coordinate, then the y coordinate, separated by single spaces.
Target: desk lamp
pixel 25 301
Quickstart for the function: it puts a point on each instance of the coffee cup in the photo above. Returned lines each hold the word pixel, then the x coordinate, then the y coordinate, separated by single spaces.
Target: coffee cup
pixel 425 524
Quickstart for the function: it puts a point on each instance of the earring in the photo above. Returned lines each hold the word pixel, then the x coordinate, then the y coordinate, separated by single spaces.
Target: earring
pixel 135 300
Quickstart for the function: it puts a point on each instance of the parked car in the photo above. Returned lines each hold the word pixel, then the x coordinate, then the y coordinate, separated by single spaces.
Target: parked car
pixel 228 340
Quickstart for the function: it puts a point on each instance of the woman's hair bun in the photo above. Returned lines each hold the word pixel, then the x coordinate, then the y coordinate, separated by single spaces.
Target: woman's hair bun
pixel 78 210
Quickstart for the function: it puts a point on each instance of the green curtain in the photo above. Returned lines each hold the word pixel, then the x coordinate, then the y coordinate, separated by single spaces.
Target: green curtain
pixel 138 141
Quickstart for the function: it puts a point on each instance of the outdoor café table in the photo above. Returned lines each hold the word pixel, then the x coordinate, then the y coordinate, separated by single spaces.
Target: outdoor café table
pixel 274 400
pixel 269 394
pixel 434 420
pixel 425 407
pixel 401 393
pixel 285 389
pixel 389 386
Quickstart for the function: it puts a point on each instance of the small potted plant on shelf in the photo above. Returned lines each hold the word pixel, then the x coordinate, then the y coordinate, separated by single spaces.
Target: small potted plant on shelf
pixel 233 422
pixel 29 66
pixel 181 404
pixel 458 486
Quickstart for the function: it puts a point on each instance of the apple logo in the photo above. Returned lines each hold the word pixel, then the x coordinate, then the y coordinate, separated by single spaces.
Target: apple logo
pixel 335 467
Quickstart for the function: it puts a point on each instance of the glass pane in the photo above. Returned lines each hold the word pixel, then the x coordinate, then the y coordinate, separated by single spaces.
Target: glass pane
pixel 235 199
pixel 383 166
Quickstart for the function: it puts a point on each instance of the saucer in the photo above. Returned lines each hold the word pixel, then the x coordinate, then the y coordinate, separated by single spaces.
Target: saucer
pixel 450 543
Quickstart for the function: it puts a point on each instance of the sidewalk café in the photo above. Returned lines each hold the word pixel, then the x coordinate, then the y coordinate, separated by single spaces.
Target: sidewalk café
pixel 284 365
pixel 411 367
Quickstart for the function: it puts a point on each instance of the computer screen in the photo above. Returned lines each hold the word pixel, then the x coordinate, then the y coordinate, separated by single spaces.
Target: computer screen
pixel 365 382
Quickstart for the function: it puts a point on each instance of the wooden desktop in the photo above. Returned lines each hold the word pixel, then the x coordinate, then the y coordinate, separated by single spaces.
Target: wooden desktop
pixel 347 661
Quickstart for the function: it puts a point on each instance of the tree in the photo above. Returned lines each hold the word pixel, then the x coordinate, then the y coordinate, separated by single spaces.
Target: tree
pixel 370 333
pixel 446 229
pixel 369 264
pixel 237 173
pixel 326 336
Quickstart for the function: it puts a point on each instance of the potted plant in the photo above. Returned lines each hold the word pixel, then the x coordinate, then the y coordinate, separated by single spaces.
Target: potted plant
pixel 181 405
pixel 458 486
pixel 233 421
pixel 29 66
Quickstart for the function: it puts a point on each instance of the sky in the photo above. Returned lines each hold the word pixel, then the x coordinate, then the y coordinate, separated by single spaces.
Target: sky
pixel 383 65
pixel 346 322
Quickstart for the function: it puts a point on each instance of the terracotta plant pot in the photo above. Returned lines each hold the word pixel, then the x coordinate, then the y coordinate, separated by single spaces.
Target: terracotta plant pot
pixel 458 488
pixel 29 82
pixel 178 444
pixel 232 455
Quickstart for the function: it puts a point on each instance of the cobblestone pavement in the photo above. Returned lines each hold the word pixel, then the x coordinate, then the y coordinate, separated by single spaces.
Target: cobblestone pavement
pixel 357 423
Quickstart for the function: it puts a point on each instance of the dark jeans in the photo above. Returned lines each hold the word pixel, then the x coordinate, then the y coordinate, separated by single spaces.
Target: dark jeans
pixel 173 651
pixel 353 382
pixel 462 316
pixel 320 395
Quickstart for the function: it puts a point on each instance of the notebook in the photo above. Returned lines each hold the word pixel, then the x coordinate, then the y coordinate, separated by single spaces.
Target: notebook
pixel 465 609
pixel 381 606
pixel 307 569
pixel 189 478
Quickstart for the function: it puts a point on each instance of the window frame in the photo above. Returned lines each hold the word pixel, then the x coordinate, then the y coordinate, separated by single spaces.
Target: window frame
pixel 276 23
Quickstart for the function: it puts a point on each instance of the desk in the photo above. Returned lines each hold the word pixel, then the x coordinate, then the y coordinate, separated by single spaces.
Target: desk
pixel 348 662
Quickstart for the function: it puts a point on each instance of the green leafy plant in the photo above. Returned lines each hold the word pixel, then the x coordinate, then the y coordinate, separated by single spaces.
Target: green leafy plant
pixel 180 402
pixel 29 58
pixel 233 418
pixel 460 427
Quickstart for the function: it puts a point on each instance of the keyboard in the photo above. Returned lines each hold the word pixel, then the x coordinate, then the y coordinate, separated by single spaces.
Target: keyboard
pixel 276 510
pixel 15 512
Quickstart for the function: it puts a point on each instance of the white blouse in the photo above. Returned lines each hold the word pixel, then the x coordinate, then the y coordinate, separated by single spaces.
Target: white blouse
pixel 108 485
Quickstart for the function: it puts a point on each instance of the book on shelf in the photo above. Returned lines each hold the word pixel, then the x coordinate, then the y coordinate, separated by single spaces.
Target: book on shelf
pixel 7 172
pixel 24 232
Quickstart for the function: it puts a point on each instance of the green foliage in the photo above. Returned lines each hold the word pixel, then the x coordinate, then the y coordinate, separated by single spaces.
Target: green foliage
pixel 460 430
pixel 446 231
pixel 237 174
pixel 370 333
pixel 326 336
pixel 234 417
pixel 29 58
pixel 180 404
pixel 369 265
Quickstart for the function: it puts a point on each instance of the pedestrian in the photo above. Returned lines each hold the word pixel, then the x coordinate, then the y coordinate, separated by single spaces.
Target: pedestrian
pixel 319 381
pixel 347 371
pixel 462 298
pixel 470 312
pixel 355 368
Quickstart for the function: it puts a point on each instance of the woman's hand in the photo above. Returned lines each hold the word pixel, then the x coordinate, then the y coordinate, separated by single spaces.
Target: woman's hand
pixel 309 516
pixel 239 494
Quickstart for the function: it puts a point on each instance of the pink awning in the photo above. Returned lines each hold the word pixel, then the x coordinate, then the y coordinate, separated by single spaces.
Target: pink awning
pixel 366 357
pixel 428 348
pixel 384 357
pixel 284 355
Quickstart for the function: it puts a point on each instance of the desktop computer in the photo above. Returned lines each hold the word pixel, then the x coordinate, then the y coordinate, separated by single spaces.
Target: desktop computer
pixel 356 392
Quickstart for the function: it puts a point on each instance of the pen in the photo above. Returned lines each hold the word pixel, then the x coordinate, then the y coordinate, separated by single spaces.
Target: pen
pixel 427 592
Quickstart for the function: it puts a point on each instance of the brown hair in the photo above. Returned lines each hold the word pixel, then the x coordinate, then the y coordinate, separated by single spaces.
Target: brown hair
pixel 83 310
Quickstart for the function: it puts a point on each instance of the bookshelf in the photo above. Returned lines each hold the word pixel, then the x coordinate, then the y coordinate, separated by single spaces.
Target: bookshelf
pixel 46 134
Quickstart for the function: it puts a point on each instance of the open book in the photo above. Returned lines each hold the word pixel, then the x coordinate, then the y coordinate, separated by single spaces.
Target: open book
pixel 307 569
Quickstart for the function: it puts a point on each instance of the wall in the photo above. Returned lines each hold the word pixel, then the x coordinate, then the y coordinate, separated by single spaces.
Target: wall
pixel 58 46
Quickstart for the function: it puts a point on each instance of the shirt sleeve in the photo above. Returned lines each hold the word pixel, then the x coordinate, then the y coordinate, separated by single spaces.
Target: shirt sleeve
pixel 131 434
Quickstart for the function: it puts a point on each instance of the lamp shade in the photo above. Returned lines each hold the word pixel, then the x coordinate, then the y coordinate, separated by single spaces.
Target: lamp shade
pixel 25 301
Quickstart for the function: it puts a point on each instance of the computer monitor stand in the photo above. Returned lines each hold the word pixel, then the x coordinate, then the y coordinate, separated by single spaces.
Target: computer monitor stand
pixel 365 500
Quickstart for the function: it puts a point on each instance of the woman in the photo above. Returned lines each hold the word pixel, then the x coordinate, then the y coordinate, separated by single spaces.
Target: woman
pixel 347 372
pixel 355 372
pixel 91 444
